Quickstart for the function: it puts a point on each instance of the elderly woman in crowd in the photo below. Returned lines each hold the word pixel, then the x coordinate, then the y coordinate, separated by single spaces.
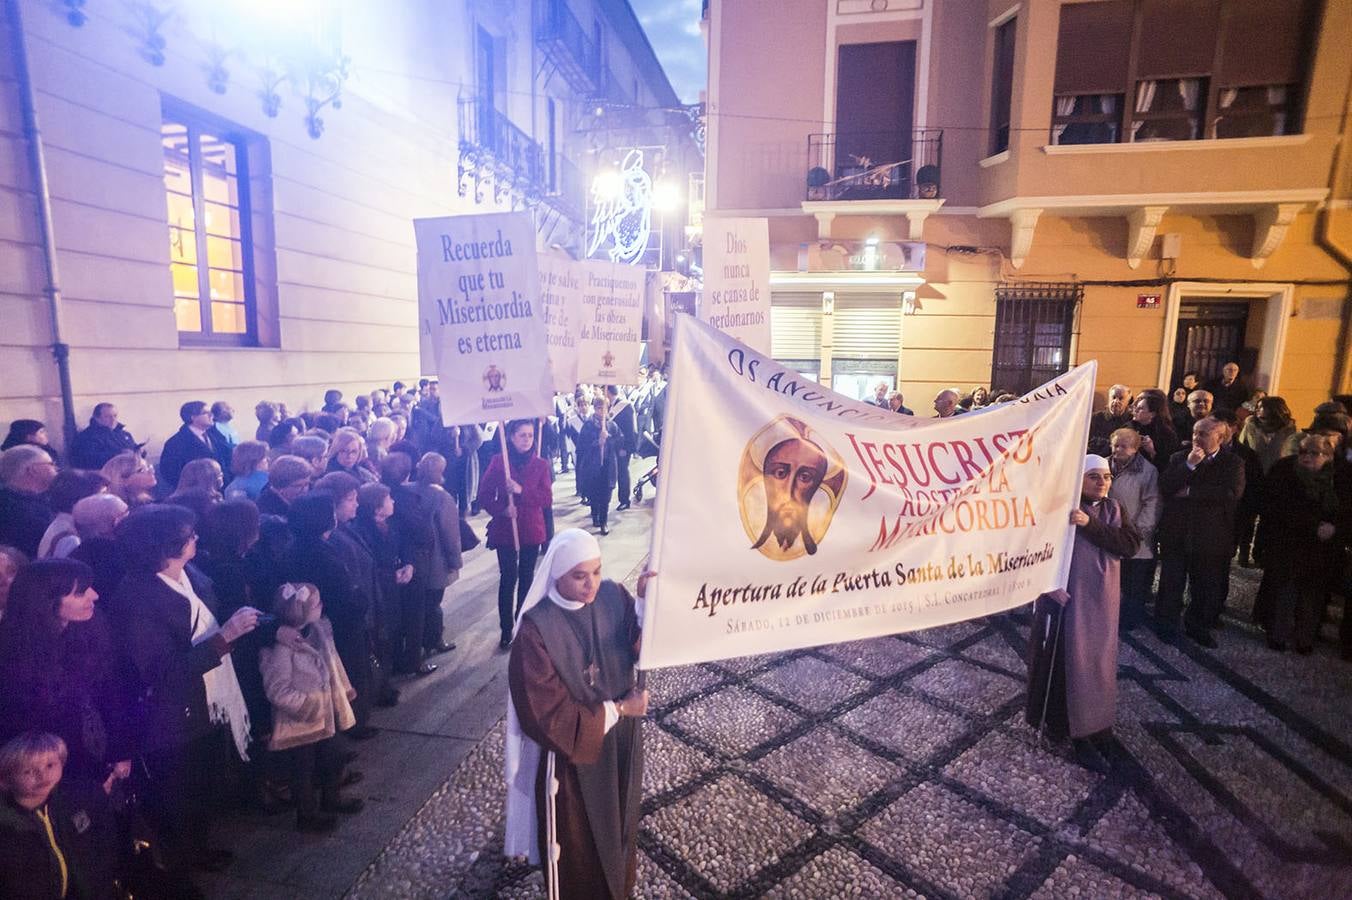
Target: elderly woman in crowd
pixel 68 488
pixel 373 527
pixel 32 432
pixel 1306 523
pixel 288 478
pixel 1151 420
pixel 130 477
pixel 57 669
pixel 249 468
pixel 201 475
pixel 1266 432
pixel 349 456
pixel 443 563
pixel 379 436
pixel 268 417
pixel 1136 489
pixel 184 677
pixel 96 520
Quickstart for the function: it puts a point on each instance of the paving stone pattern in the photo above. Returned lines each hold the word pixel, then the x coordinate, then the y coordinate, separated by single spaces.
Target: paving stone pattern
pixel 901 767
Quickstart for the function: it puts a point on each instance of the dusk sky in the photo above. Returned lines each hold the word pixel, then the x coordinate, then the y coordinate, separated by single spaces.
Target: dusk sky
pixel 673 28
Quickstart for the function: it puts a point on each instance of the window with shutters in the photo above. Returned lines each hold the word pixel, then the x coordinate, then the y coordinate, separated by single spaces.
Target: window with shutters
pixel 1033 327
pixel 1178 70
pixel 796 327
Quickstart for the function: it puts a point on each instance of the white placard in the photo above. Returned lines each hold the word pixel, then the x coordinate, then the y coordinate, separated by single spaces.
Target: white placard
pixel 790 516
pixel 480 321
pixel 736 297
pixel 612 320
pixel 561 299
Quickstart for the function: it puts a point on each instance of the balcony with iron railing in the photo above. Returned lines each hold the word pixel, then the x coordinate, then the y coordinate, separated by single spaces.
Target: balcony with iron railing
pixel 567 46
pixel 875 165
pixel 565 190
pixel 493 149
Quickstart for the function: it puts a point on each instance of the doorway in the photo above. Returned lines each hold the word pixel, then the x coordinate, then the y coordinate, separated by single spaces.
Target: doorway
pixel 875 108
pixel 1211 333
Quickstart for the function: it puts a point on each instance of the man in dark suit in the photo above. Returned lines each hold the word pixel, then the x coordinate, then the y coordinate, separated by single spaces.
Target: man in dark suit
pixel 195 439
pixel 102 440
pixel 1201 487
pixel 622 414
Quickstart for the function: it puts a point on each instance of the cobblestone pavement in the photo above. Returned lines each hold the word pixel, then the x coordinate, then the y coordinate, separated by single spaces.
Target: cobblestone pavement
pixel 901 767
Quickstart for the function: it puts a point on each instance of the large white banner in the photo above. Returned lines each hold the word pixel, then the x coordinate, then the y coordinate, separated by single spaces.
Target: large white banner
pixel 479 317
pixel 736 297
pixel 791 516
pixel 561 299
pixel 608 347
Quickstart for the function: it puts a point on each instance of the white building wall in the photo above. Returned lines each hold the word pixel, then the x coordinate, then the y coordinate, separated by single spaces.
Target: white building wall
pixel 340 211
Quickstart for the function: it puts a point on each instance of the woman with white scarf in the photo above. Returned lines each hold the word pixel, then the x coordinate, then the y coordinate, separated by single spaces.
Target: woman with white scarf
pixel 184 681
pixel 574 754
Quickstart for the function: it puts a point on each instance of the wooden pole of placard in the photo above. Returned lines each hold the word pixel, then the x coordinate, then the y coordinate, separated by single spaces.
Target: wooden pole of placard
pixel 506 476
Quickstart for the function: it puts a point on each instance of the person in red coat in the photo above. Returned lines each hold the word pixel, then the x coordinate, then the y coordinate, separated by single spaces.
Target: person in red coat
pixel 523 497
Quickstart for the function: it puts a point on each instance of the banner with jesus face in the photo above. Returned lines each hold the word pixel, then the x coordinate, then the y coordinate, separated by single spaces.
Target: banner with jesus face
pixel 790 516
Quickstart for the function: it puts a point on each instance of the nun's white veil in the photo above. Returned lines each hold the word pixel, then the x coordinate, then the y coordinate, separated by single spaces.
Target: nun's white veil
pixel 522 757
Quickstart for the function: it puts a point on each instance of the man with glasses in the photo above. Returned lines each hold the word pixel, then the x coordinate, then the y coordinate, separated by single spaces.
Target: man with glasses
pixel 26 471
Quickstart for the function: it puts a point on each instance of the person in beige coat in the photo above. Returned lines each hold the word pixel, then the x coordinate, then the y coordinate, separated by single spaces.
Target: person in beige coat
pixel 311 701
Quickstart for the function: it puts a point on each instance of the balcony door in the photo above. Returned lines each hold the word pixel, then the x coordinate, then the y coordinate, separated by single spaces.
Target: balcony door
pixel 875 109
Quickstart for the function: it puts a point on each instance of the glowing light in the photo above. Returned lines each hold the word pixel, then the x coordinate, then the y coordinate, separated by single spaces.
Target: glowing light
pixel 872 241
pixel 666 196
pixel 608 185
pixel 623 210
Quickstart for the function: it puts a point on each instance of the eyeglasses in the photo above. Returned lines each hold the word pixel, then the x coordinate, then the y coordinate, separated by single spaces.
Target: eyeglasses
pixel 1305 452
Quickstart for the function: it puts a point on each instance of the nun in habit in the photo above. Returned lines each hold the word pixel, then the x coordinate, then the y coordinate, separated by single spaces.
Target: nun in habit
pixel 574 754
pixel 1072 648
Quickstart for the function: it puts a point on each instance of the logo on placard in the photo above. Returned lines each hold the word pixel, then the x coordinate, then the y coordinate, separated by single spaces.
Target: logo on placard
pixel 790 483
pixel 494 379
pixel 608 360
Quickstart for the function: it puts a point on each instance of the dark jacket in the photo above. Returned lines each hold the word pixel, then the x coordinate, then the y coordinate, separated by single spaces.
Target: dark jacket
pixel 386 557
pixel 625 421
pixel 320 563
pixel 77 695
pixel 23 520
pixel 86 832
pixel 536 494
pixel 231 579
pixel 1290 519
pixel 597 470
pixel 1166 443
pixel 414 520
pixel 183 447
pixel 1231 398
pixel 156 625
pixel 106 559
pixel 1101 426
pixel 1203 521
pixel 97 444
pixel 270 503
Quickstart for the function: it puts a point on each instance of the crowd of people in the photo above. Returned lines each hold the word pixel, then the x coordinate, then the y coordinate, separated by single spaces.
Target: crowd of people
pixel 206 627
pixel 186 635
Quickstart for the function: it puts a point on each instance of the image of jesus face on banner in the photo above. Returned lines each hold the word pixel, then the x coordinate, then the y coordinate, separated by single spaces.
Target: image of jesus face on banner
pixel 789 485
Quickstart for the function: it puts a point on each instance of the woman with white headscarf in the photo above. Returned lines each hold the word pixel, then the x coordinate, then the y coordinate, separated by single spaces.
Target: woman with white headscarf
pixel 574 747
pixel 1073 645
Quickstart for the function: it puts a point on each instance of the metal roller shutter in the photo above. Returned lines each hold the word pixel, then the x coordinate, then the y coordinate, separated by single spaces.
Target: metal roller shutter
pixel 796 326
pixel 867 326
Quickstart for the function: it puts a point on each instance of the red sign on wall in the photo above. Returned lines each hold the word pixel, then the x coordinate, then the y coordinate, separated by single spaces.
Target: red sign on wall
pixel 1147 301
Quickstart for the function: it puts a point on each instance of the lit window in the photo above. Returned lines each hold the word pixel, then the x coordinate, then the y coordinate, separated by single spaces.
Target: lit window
pixel 205 181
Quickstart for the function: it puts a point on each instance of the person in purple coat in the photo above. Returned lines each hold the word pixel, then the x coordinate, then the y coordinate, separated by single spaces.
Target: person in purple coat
pixel 522 498
pixel 1073 645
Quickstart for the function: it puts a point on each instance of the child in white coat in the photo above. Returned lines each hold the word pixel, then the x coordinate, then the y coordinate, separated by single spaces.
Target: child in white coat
pixel 311 701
